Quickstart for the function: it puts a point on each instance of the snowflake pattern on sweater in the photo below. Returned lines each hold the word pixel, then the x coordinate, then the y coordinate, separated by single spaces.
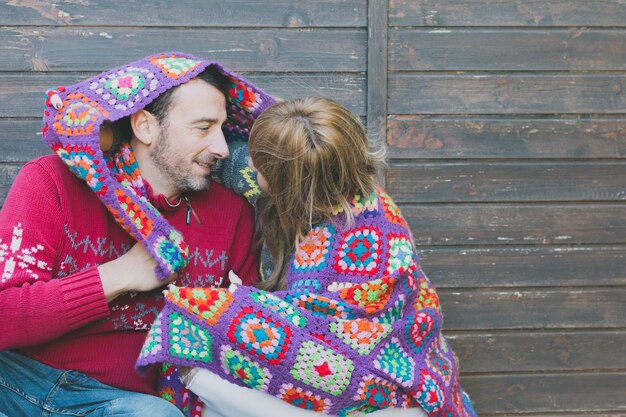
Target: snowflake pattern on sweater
pixel 13 255
pixel 357 329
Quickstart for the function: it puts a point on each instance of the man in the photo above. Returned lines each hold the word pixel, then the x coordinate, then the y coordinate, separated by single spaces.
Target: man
pixel 85 252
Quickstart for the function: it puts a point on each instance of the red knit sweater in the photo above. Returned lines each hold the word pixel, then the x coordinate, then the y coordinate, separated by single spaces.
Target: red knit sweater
pixel 54 232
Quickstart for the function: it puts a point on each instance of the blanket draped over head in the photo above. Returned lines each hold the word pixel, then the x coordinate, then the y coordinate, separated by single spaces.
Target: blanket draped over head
pixel 75 127
pixel 357 329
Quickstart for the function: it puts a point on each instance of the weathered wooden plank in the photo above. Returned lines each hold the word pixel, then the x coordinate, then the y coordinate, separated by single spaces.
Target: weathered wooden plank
pixel 486 309
pixel 546 351
pixel 530 266
pixel 507 13
pixel 21 95
pixel 97 49
pixel 506 49
pixel 441 138
pixel 429 182
pixel 377 45
pixel 577 393
pixel 515 224
pixel 20 140
pixel 194 13
pixel 7 175
pixel 543 93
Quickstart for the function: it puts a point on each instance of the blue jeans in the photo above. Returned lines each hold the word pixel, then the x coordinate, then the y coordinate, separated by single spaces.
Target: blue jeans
pixel 31 389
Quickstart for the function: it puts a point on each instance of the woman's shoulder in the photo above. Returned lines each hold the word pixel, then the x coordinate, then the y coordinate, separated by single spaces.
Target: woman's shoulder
pixel 377 207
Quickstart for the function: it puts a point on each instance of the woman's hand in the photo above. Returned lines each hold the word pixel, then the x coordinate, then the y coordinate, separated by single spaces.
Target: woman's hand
pixel 234 281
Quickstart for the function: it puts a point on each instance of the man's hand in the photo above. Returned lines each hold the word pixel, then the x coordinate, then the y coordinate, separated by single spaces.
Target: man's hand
pixel 133 271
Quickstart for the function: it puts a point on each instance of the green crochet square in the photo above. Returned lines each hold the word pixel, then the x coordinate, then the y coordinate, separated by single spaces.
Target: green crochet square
pixel 322 368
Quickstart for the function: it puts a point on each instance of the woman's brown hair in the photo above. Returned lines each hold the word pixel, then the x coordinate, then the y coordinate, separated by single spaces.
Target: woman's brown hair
pixel 314 155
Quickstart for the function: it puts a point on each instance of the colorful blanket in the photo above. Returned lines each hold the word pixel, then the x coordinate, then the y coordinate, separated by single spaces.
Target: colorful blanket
pixel 357 329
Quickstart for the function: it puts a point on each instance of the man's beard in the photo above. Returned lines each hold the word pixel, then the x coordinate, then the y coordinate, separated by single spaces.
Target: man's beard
pixel 175 168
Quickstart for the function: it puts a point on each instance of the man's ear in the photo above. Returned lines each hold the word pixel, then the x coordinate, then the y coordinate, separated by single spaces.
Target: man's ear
pixel 145 126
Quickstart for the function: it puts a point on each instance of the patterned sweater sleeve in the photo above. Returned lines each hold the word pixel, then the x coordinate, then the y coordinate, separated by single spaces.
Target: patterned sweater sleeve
pixel 357 329
pixel 234 172
pixel 36 307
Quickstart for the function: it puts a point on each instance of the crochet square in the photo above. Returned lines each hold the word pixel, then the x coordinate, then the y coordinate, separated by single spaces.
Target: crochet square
pixel 457 398
pixel 359 252
pixel 408 401
pixel 467 403
pixel 400 253
pixel 81 161
pixel 320 306
pixel 125 88
pixel 260 335
pixel 173 66
pixel 128 173
pixel 396 362
pixel 79 116
pixel 443 344
pixel 244 369
pixel 439 364
pixel 280 307
pixel 313 252
pixel 171 389
pixel 429 394
pixel 322 368
pixel 419 329
pixel 392 212
pixel 244 95
pixel 376 392
pixel 242 103
pixel 304 399
pixel 426 295
pixel 134 212
pixel 153 343
pixel 371 296
pixel 393 313
pixel 366 207
pixel 165 388
pixel 361 335
pixel 411 276
pixel 205 303
pixel 188 340
pixel 172 250
pixel 168 394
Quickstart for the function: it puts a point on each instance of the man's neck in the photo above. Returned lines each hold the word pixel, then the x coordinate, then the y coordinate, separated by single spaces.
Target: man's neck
pixel 151 174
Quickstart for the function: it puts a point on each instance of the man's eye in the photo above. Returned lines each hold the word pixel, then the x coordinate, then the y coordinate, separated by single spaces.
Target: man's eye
pixel 203 128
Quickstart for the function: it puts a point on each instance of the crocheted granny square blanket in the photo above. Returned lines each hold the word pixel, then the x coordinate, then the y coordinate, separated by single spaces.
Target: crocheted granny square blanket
pixel 358 328
pixel 74 115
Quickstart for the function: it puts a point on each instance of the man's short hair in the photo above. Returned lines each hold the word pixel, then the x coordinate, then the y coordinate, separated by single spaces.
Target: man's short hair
pixel 159 106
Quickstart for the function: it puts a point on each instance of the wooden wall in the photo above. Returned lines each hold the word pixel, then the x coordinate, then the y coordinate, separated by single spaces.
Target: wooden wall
pixel 506 127
pixel 507 139
pixel 291 48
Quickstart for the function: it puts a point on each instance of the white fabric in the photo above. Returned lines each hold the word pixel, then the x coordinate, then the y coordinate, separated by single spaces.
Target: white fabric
pixel 225 399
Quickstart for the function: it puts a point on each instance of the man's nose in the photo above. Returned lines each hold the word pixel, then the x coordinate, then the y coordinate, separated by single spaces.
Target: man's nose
pixel 218 147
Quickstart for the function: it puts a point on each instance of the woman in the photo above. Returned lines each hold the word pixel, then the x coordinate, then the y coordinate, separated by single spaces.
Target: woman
pixel 347 323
